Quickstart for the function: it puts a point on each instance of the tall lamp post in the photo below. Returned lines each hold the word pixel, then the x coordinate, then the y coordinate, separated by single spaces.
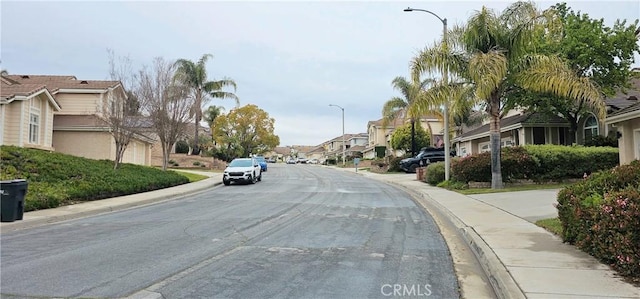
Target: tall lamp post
pixel 445 78
pixel 344 145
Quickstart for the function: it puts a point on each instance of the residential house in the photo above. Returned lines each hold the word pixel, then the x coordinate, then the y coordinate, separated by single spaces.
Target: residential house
pixel 316 152
pixel 519 127
pixel 77 127
pixel 379 137
pixel 627 124
pixel 280 153
pixel 356 144
pixel 26 113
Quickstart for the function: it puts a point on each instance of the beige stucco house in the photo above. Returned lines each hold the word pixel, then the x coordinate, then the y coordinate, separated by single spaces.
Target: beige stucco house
pixel 26 114
pixel 627 123
pixel 76 127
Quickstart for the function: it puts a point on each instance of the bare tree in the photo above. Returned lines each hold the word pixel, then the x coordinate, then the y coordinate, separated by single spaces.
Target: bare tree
pixel 117 113
pixel 166 102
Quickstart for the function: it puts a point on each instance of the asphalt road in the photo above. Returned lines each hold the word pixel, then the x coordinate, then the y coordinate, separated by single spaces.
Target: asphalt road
pixel 303 232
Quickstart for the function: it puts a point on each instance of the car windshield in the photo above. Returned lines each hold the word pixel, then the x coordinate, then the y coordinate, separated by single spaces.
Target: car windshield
pixel 240 163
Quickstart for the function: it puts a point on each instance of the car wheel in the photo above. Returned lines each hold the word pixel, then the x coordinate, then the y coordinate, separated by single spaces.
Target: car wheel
pixel 413 167
pixel 226 183
pixel 428 162
pixel 260 177
pixel 252 179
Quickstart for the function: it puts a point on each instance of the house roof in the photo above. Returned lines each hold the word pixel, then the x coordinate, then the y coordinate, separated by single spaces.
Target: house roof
pixel 55 82
pixel 627 113
pixel 11 89
pixel 623 100
pixel 378 123
pixel 356 148
pixel 282 150
pixel 523 120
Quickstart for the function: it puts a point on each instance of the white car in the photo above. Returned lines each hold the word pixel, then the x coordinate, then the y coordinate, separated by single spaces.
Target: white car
pixel 312 161
pixel 242 170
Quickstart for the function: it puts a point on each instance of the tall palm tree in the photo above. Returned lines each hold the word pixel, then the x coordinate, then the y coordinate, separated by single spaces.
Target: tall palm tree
pixel 492 57
pixel 194 75
pixel 401 107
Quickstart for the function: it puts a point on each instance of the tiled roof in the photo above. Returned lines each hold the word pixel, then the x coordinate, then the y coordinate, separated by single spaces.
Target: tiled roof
pixel 378 123
pixel 283 150
pixel 357 148
pixel 623 100
pixel 9 89
pixel 628 109
pixel 54 83
pixel 526 119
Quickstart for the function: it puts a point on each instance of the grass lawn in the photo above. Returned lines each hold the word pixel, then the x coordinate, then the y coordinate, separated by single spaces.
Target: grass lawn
pixel 510 189
pixel 552 224
pixel 192 176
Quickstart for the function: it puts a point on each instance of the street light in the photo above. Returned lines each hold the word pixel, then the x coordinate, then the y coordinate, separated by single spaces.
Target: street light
pixel 344 145
pixel 445 75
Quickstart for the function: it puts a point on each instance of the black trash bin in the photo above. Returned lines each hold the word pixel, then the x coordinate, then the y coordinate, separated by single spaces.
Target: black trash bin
pixel 12 200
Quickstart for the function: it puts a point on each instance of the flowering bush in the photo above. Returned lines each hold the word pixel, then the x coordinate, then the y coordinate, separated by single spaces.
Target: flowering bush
pixel 601 216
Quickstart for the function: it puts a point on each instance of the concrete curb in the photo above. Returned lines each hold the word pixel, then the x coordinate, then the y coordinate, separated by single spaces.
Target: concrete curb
pixel 502 283
pixel 116 204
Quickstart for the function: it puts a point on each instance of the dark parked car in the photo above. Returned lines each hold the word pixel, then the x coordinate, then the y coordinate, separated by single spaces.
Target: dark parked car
pixel 426 156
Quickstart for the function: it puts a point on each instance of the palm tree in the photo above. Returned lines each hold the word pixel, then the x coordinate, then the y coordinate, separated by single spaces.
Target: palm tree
pixel 211 114
pixel 194 75
pixel 398 107
pixel 491 57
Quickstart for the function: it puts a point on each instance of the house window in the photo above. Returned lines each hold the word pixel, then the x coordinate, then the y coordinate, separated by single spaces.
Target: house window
pixel 590 128
pixel 463 151
pixel 484 147
pixel 34 127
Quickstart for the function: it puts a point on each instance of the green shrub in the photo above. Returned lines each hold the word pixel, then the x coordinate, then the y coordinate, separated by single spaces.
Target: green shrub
pixel 196 163
pixel 435 173
pixel 56 179
pixel 182 147
pixel 599 140
pixel 537 162
pixel 516 163
pixel 601 215
pixel 394 164
pixel 558 162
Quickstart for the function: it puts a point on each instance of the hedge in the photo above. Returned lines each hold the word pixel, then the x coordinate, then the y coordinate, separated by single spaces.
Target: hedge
pixel 537 162
pixel 435 173
pixel 601 216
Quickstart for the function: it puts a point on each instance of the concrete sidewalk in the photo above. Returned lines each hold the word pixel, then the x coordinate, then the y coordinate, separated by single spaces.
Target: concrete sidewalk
pixel 521 259
pixel 42 217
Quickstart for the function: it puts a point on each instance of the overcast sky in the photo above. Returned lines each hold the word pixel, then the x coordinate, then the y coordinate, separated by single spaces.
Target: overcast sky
pixel 290 58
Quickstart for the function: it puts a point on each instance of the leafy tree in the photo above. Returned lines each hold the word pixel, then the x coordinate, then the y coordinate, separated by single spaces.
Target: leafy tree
pixel 401 138
pixel 194 75
pixel 592 50
pixel 401 107
pixel 245 130
pixel 492 56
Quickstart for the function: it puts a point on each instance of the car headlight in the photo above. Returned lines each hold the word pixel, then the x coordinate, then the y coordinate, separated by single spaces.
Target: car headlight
pixel 248 171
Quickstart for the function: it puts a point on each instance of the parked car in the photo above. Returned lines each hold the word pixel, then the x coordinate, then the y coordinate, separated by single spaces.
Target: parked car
pixel 301 160
pixel 426 156
pixel 262 162
pixel 242 170
pixel 291 161
pixel 312 161
pixel 271 160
